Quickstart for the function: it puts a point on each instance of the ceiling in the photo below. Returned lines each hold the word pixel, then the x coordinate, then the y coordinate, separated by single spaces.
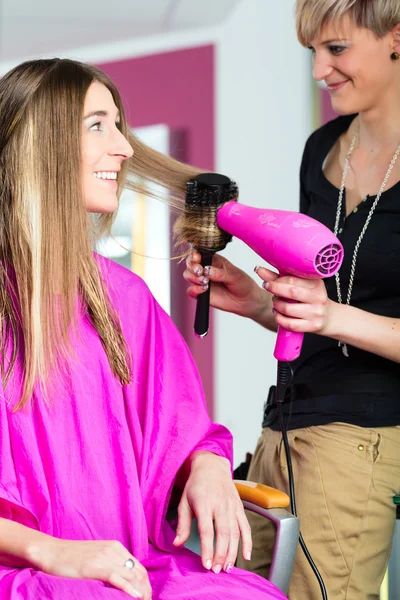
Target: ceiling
pixel 49 26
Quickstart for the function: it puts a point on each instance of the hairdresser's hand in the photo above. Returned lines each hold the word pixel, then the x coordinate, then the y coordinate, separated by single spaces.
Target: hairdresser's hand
pixel 211 497
pixel 232 290
pixel 309 309
pixel 101 560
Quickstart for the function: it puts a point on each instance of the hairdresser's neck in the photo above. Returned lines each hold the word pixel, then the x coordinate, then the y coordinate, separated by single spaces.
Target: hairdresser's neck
pixel 380 125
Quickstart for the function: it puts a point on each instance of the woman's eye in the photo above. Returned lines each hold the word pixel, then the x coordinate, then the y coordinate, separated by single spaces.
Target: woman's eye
pixel 95 126
pixel 336 49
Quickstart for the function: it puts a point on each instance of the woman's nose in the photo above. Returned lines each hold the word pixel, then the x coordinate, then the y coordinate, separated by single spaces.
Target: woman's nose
pixel 321 67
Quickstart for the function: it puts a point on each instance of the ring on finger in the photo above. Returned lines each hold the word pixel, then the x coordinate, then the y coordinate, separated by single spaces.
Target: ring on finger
pixel 129 564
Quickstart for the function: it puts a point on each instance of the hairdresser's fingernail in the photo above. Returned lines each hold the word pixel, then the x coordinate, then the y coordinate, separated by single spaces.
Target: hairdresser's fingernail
pixel 198 271
pixel 204 287
pixel 208 271
pixel 228 568
pixel 273 311
pixel 256 269
pixel 204 280
pixel 265 285
pixel 208 564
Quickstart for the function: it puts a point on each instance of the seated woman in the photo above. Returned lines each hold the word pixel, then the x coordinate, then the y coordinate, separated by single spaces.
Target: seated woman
pixel 102 411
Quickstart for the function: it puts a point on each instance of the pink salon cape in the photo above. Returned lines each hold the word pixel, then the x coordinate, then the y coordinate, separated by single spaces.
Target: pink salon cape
pixel 99 463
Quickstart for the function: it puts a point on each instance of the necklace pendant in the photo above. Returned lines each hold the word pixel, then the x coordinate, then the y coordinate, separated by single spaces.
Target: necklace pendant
pixel 344 348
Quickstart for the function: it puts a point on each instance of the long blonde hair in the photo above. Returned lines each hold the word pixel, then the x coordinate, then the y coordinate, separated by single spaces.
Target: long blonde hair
pixel 379 16
pixel 46 236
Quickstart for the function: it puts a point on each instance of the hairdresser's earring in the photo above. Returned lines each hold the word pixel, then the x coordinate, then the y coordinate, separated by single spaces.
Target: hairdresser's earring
pixel 395 56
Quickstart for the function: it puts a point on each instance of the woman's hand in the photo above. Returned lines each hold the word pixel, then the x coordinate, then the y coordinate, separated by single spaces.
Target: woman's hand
pixel 232 290
pixel 101 560
pixel 210 496
pixel 300 305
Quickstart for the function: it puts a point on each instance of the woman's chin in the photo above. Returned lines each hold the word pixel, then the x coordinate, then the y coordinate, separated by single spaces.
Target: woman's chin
pixel 107 206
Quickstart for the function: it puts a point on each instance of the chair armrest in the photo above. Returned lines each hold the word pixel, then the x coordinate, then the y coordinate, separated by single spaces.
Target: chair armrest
pixel 271 503
pixel 261 495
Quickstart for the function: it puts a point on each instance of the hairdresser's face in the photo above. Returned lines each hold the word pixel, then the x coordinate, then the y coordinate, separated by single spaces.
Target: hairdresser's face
pixel 104 149
pixel 356 66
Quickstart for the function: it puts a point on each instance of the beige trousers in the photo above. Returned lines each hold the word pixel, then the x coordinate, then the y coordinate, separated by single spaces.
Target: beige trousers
pixel 345 479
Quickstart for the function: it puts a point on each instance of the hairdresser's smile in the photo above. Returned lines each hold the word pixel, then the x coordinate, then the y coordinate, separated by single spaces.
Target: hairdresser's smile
pixel 335 87
pixel 102 144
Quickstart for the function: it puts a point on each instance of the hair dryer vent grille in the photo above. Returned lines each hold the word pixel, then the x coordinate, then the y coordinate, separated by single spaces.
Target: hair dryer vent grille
pixel 329 259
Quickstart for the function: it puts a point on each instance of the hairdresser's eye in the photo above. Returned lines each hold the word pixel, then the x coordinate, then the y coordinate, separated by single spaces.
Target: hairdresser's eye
pixel 336 50
pixel 312 50
pixel 95 126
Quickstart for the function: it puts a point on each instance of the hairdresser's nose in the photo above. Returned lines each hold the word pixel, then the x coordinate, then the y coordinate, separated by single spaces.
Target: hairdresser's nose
pixel 120 146
pixel 322 67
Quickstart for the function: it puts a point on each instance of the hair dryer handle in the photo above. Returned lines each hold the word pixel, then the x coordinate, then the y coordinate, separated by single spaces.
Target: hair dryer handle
pixel 288 345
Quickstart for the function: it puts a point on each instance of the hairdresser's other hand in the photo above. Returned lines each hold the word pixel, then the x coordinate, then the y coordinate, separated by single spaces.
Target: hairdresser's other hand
pixel 211 496
pixel 101 560
pixel 232 290
pixel 309 309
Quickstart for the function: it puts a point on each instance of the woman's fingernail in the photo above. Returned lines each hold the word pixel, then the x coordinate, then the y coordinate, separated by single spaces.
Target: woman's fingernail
pixel 256 269
pixel 208 564
pixel 248 555
pixel 217 569
pixel 198 271
pixel 176 540
pixel 208 271
pixel 265 285
pixel 136 594
pixel 204 280
pixel 228 568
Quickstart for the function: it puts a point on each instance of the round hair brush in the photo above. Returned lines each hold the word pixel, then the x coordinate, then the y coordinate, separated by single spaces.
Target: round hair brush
pixel 204 196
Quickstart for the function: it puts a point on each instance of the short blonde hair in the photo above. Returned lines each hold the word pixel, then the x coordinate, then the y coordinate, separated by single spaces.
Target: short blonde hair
pixel 379 16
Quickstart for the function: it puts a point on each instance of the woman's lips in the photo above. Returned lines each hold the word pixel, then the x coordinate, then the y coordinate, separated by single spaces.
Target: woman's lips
pixel 334 87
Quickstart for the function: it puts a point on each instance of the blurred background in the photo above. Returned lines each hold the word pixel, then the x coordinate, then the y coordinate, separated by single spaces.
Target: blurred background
pixel 224 85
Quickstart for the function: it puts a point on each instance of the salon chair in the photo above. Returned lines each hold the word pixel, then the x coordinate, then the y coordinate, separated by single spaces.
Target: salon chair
pixel 272 504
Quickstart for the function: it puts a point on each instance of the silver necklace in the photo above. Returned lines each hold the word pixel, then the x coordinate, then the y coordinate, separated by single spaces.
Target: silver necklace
pixel 364 229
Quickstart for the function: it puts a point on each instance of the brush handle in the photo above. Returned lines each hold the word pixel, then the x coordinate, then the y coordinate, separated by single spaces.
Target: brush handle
pixel 202 317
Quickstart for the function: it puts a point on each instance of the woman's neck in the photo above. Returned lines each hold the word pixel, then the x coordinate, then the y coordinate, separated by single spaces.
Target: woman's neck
pixel 379 127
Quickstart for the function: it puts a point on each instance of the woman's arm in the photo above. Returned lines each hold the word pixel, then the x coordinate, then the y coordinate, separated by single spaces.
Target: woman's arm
pixel 103 560
pixel 19 545
pixel 364 330
pixel 310 310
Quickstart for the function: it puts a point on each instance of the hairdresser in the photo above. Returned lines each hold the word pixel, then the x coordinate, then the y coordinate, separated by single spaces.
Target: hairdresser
pixel 343 411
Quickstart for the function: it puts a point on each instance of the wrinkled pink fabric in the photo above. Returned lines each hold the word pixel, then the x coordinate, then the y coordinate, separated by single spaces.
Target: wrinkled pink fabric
pixel 100 462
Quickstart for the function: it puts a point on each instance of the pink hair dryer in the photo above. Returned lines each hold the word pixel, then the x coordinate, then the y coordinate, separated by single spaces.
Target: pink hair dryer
pixel 291 242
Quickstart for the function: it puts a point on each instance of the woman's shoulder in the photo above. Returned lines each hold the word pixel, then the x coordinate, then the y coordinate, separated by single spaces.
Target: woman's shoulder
pixel 122 282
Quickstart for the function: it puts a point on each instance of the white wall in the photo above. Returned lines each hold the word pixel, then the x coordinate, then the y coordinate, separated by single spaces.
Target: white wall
pixel 263 86
pixel 263 118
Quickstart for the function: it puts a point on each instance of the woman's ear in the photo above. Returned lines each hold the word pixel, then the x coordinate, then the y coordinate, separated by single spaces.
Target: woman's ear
pixel 395 34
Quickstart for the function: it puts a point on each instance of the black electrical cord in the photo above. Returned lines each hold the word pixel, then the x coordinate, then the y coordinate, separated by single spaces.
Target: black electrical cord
pixel 284 379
